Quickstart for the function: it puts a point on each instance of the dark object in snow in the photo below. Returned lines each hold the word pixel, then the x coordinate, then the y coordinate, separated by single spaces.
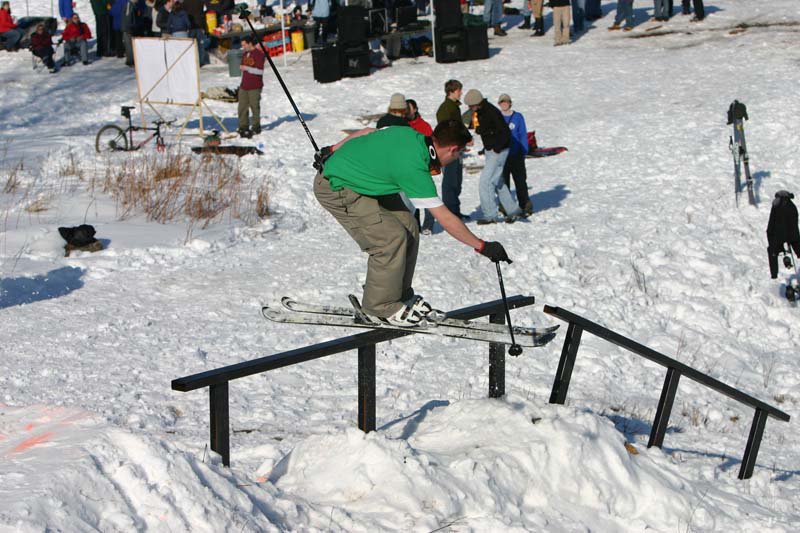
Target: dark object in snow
pixel 80 238
pixel 238 151
pixel 783 237
pixel 737 114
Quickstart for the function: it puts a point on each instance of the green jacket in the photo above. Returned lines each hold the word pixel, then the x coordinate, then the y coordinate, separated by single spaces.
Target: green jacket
pixel 449 110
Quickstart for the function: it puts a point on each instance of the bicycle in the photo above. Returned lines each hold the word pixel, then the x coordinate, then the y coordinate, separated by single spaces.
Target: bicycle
pixel 112 138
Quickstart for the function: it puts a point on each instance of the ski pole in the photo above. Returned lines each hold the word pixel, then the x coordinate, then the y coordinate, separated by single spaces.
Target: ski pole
pixel 244 14
pixel 515 348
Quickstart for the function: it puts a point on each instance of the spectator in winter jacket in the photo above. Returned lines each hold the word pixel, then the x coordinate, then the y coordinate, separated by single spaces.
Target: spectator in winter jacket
pixel 493 16
pixel 250 88
pixel 561 15
pixel 515 163
pixel 197 18
pixel 496 137
pixel 131 25
pixel 419 124
pixel 162 16
pixel 396 114
pixel 624 11
pixel 116 12
pixel 321 13
pixel 178 24
pixel 699 9
pixel 42 46
pixel 76 36
pixel 65 10
pixel 452 174
pixel 102 27
pixel 9 31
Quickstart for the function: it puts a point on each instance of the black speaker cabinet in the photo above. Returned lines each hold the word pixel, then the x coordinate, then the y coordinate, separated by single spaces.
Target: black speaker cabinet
pixel 351 28
pixel 451 46
pixel 448 15
pixel 327 63
pixel 378 22
pixel 477 42
pixel 405 16
pixel 355 61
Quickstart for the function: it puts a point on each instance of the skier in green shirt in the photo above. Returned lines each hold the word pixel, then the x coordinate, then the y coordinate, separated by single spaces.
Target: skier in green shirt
pixel 360 182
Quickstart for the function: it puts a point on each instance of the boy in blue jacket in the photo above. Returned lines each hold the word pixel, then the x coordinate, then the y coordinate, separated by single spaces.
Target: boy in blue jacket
pixel 515 164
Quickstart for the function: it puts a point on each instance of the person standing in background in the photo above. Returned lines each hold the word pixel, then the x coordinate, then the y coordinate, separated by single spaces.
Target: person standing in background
pixel 515 163
pixel 561 15
pixel 452 173
pixel 250 88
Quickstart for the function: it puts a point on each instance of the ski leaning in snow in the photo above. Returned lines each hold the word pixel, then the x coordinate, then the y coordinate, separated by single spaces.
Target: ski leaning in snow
pixel 293 312
pixel 737 114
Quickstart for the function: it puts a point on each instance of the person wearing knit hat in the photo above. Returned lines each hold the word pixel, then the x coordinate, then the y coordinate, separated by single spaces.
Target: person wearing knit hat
pixel 515 163
pixel 359 183
pixel 496 137
pixel 396 114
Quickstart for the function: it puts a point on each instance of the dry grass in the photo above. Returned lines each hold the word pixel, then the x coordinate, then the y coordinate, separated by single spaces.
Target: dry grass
pixel 12 180
pixel 173 186
pixel 71 167
pixel 39 205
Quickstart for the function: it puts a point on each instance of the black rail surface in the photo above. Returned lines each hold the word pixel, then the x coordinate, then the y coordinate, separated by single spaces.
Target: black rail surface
pixel 217 380
pixel 675 369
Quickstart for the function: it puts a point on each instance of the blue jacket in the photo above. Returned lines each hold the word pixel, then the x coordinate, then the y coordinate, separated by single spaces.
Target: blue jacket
pixel 519 133
pixel 116 12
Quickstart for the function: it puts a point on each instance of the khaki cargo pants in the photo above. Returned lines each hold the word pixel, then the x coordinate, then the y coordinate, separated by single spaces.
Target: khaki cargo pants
pixel 249 103
pixel 385 229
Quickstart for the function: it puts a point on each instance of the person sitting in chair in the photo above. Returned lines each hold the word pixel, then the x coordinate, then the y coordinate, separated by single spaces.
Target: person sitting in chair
pixel 9 31
pixel 42 46
pixel 76 36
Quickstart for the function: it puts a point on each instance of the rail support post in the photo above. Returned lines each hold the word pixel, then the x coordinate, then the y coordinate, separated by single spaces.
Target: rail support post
pixel 366 388
pixel 220 425
pixel 497 362
pixel 565 364
pixel 753 443
pixel 664 408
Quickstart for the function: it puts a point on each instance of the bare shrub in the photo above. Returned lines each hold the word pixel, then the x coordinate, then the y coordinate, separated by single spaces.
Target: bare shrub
pixel 639 277
pixel 172 186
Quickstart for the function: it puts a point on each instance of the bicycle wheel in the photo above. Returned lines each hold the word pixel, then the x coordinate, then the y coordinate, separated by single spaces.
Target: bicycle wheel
pixel 111 138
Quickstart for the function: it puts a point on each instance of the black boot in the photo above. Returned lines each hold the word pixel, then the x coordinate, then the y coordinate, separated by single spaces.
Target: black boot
pixel 498 31
pixel 527 24
pixel 538 26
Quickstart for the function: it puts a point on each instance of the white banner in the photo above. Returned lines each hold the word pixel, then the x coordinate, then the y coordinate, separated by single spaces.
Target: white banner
pixel 167 70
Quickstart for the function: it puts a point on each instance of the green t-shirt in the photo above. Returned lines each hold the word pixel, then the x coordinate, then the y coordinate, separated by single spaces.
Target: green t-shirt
pixel 386 161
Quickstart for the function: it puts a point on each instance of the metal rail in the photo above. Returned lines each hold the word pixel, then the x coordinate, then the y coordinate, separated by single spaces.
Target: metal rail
pixel 675 369
pixel 217 380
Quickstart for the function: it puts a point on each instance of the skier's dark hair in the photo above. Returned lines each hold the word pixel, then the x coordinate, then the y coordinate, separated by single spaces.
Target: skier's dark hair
pixel 452 132
pixel 452 85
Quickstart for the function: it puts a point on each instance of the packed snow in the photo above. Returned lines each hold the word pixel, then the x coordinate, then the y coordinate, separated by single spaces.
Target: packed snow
pixel 635 227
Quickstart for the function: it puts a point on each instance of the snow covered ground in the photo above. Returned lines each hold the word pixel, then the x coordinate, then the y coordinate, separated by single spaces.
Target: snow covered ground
pixel 635 227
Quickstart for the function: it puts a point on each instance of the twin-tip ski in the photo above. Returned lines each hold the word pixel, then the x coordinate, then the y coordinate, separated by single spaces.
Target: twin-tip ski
pixel 293 312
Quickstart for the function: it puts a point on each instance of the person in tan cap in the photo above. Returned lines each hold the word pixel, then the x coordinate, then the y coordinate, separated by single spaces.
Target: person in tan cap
pixel 396 114
pixel 496 137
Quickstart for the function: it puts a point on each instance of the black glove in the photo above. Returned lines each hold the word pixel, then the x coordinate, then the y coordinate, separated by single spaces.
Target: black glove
pixel 494 251
pixel 320 158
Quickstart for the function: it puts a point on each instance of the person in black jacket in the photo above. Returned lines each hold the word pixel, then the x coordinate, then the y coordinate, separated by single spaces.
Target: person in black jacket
pixel 496 137
pixel 782 228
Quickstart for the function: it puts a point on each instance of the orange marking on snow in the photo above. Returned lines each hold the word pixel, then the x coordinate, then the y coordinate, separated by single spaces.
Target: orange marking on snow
pixel 29 427
pixel 261 479
pixel 31 442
